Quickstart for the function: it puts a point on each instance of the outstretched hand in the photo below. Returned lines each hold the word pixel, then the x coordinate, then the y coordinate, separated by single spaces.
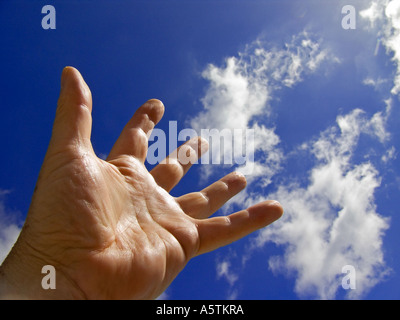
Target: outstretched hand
pixel 110 228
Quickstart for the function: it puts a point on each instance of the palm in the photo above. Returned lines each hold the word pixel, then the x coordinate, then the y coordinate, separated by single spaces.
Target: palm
pixel 146 239
pixel 111 227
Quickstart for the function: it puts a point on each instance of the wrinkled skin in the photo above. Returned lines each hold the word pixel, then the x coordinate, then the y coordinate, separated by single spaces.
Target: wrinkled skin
pixel 110 227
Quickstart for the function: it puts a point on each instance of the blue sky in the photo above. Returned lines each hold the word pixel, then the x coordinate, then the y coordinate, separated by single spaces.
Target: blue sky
pixel 323 102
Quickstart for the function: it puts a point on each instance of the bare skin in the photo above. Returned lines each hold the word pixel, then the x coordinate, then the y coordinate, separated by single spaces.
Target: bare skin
pixel 110 228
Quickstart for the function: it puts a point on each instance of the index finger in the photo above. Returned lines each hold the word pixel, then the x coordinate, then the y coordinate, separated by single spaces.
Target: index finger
pixel 220 231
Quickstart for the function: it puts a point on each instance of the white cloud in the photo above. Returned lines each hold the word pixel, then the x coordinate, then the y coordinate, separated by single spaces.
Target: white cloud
pixel 375 12
pixel 389 155
pixel 376 84
pixel 239 95
pixel 384 15
pixel 333 221
pixel 224 270
pixel 9 229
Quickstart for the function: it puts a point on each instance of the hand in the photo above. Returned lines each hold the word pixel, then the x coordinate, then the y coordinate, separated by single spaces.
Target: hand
pixel 110 228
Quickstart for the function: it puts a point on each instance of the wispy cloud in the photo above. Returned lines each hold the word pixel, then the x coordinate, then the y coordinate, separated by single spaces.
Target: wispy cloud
pixel 9 228
pixel 240 92
pixel 224 271
pixel 333 221
pixel 384 18
pixel 239 95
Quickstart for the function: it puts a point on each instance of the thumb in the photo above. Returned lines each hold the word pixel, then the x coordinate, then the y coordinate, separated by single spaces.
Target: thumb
pixel 73 121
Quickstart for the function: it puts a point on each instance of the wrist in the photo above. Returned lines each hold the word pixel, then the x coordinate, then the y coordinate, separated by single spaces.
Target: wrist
pixel 22 277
